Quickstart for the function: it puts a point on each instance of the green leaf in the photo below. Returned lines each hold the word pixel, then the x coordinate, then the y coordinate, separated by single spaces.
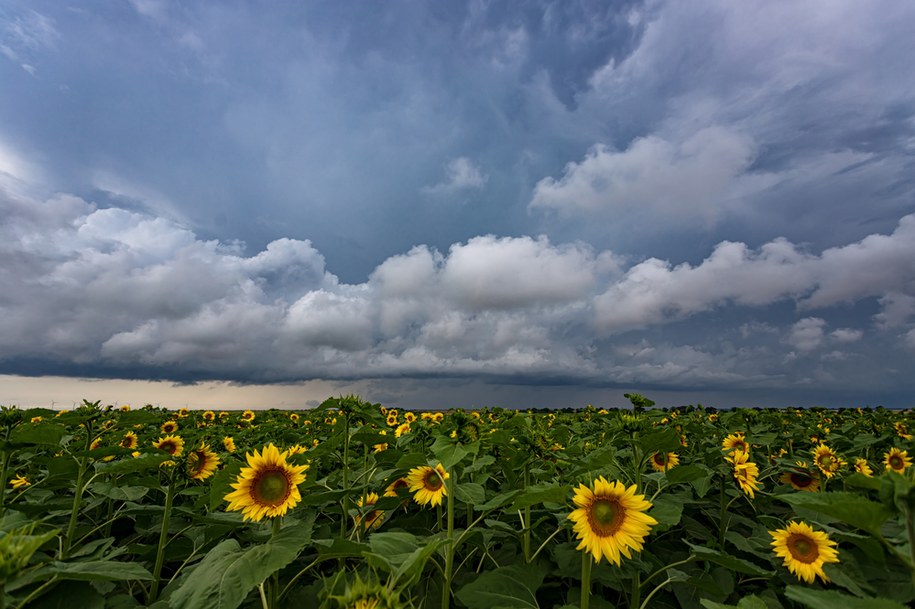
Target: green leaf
pixel 667 510
pixel 513 587
pixel 687 473
pixel 100 570
pixel 133 466
pixel 540 493
pixel 726 560
pixel 448 452
pixel 47 434
pixel 227 574
pixel 847 507
pixel 747 602
pixel 470 492
pixel 830 599
pixel 119 492
pixel 660 441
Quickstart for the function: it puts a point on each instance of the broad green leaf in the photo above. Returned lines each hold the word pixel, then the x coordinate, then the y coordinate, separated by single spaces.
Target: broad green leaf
pixel 227 574
pixel 448 453
pixel 47 434
pixel 143 463
pixel 470 492
pixel 660 441
pixel 831 599
pixel 747 602
pixel 667 510
pixel 100 570
pixel 411 460
pixel 513 587
pixel 540 493
pixel 726 560
pixel 850 508
pixel 119 492
pixel 687 473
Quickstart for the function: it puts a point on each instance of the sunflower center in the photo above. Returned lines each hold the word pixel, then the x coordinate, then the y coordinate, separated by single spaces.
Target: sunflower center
pixel 895 462
pixel 433 481
pixel 803 549
pixel 272 488
pixel 606 516
pixel 801 480
pixel 825 460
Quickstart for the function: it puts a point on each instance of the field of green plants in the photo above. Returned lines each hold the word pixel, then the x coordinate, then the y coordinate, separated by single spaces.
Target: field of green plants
pixel 355 505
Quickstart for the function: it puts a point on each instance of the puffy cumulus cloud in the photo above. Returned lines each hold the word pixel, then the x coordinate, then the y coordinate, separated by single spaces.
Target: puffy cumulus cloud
pixel 127 293
pixel 654 291
pixel 690 179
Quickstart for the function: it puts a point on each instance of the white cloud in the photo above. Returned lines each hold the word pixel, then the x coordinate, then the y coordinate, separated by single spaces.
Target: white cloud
pixel 846 335
pixel 460 174
pixel 692 178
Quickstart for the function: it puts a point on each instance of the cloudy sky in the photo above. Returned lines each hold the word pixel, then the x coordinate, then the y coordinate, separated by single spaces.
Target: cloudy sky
pixel 458 203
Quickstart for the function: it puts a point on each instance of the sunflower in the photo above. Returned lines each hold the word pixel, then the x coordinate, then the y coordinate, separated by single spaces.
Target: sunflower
pixel 95 444
pixel 294 417
pixel 182 412
pixel 391 490
pixel 745 472
pixel 202 463
pixel 862 467
pixel 826 460
pixel 610 519
pixel 229 444
pixel 19 482
pixel 125 408
pixel 268 487
pixel 897 460
pixel 801 479
pixel 130 440
pixel 805 551
pixel 36 420
pixel 247 416
pixel 438 417
pixel 169 427
pixel 382 446
pixel 661 462
pixel 428 484
pixel 409 417
pixel 391 420
pixel 373 518
pixel 209 416
pixel 735 441
pixel 173 445
pixel 902 430
pixel 401 430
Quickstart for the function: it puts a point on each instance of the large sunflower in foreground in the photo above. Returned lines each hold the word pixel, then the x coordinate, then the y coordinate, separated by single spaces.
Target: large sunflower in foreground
pixel 610 519
pixel 428 484
pixel 746 473
pixel 201 463
pixel 897 460
pixel 805 551
pixel 268 487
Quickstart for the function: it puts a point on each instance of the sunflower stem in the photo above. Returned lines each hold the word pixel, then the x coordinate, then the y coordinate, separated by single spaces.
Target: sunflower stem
pixel 77 499
pixel 526 535
pixel 163 536
pixel 264 603
pixel 635 599
pixel 449 543
pixel 722 518
pixel 275 578
pixel 343 520
pixel 585 580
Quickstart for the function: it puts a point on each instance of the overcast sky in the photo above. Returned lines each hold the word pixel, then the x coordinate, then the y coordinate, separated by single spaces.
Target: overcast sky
pixel 458 203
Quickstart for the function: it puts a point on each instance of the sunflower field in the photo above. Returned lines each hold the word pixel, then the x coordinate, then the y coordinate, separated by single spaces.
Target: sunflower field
pixel 354 505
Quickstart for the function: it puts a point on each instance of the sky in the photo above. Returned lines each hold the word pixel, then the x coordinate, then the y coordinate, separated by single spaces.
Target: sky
pixel 437 204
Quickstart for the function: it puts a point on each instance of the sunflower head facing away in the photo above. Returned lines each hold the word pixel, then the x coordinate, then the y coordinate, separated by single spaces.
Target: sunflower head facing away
pixel 746 473
pixel 862 467
pixel 268 487
pixel 428 484
pixel 897 460
pixel 173 445
pixel 804 550
pixel 201 463
pixel 610 520
pixel 661 462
